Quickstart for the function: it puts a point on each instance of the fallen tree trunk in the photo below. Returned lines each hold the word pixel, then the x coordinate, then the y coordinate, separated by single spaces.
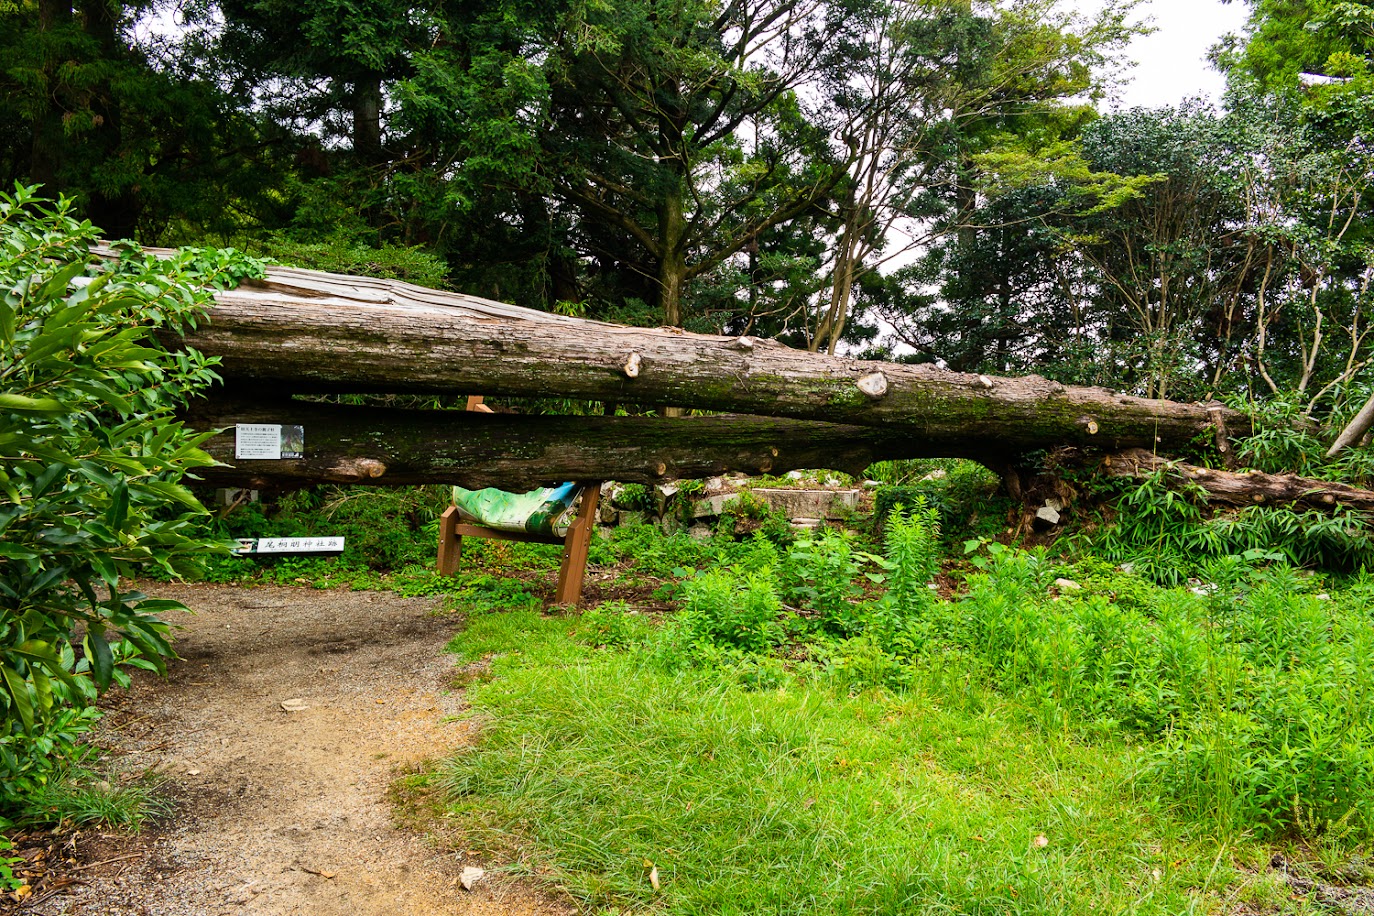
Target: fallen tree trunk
pixel 396 447
pixel 304 331
pixel 1246 488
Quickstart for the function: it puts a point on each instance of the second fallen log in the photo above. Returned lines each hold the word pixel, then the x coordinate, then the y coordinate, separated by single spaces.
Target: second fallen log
pixel 396 447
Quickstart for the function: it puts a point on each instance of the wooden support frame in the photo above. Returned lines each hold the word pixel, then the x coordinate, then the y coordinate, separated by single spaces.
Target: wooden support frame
pixel 576 543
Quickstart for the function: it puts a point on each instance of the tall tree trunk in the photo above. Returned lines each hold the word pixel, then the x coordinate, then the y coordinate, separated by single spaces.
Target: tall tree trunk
pixel 117 210
pixel 48 144
pixel 393 447
pixel 304 330
pixel 367 118
pixel 672 264
pixel 832 323
pixel 1355 430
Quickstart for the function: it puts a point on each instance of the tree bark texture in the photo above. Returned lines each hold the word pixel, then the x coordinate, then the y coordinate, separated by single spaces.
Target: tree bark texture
pixel 306 331
pixel 1245 488
pixel 395 447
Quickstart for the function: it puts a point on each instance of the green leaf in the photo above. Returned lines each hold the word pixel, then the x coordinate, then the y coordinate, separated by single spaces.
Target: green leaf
pixel 42 689
pixel 109 572
pixel 35 651
pixel 56 285
pixel 6 323
pixel 19 695
pixel 102 659
pixel 118 512
pixel 47 478
pixel 19 403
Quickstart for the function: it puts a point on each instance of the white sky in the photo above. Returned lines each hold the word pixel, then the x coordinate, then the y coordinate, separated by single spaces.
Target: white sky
pixel 1171 64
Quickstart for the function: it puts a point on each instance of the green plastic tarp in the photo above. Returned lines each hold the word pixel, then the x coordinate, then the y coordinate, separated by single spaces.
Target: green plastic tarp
pixel 547 511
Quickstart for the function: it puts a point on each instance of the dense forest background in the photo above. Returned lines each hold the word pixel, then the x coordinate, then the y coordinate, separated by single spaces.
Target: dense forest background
pixel 927 180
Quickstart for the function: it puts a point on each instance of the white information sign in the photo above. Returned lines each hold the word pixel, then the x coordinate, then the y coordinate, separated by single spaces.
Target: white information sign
pixel 268 441
pixel 300 545
pixel 258 440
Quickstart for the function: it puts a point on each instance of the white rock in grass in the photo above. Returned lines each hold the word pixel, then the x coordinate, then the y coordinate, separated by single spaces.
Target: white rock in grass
pixel 1066 585
pixel 470 876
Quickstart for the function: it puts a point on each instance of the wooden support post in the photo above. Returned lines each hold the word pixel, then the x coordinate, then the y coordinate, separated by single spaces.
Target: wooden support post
pixel 450 544
pixel 574 567
pixel 576 543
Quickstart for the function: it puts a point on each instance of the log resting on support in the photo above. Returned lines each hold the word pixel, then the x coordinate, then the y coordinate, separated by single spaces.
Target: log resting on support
pixel 303 331
pixel 1245 488
pixel 395 447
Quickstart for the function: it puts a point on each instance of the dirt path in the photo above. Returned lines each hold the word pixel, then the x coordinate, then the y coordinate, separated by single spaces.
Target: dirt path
pixel 281 812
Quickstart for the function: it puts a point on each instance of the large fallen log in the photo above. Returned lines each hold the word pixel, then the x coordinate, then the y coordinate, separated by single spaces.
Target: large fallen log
pixel 302 331
pixel 396 447
pixel 1245 488
pixel 383 446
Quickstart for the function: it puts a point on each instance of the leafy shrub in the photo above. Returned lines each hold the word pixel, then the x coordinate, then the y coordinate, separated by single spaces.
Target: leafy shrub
pixel 1285 439
pixel 90 469
pixel 384 528
pixel 724 609
pixel 888 499
pixel 1280 443
pixel 913 559
pixel 636 497
pixel 963 493
pixel 342 255
pixel 818 575
pixel 610 624
pixel 748 514
pixel 1253 690
pixel 862 662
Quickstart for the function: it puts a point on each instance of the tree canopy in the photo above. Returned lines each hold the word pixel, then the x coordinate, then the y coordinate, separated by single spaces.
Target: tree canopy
pixel 926 179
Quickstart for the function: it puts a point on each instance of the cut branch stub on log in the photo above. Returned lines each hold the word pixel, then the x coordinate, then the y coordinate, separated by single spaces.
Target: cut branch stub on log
pixel 1246 488
pixel 305 331
pixel 395 447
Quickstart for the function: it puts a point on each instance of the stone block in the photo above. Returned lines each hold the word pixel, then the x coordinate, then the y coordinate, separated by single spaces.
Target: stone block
pixel 810 503
pixel 713 505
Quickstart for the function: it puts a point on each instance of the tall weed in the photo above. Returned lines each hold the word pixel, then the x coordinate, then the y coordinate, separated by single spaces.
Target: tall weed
pixel 723 609
pixel 1252 690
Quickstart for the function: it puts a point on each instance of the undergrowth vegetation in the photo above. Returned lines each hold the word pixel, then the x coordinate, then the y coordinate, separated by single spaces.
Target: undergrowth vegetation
pixel 819 728
pixel 1164 530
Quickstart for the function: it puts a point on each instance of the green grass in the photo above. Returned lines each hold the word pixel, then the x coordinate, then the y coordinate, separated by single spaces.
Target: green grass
pixel 79 796
pixel 805 799
pixel 815 731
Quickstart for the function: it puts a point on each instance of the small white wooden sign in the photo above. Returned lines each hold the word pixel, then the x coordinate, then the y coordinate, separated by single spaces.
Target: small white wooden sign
pixel 290 545
pixel 300 545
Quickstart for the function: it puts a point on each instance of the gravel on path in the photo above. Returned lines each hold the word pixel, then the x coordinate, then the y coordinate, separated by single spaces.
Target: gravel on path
pixel 278 735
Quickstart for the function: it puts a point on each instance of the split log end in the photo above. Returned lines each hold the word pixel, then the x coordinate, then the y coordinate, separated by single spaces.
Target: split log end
pixel 874 384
